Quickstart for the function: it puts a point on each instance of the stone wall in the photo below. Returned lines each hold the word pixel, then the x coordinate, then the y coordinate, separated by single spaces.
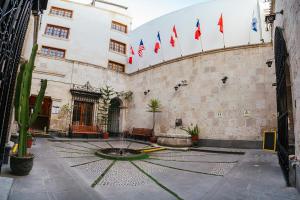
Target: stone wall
pixel 290 22
pixel 237 110
pixel 62 74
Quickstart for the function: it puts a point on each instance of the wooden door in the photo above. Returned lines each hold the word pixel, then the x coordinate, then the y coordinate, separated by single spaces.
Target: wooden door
pixel 83 113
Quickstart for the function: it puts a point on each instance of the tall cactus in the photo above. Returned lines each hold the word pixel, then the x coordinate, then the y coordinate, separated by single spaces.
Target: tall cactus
pixel 22 114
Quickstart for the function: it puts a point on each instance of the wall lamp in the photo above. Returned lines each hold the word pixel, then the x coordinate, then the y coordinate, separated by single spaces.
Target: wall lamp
pixel 270 18
pixel 224 79
pixel 269 62
pixel 182 83
pixel 146 92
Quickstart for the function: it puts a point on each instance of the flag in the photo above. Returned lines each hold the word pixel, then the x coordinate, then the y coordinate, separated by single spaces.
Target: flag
pixel 220 23
pixel 131 49
pixel 254 24
pixel 141 48
pixel 173 36
pixel 130 59
pixel 157 43
pixel 198 31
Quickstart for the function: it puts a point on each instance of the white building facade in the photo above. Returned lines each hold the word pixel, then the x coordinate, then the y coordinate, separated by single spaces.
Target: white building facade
pixel 79 44
pixel 241 108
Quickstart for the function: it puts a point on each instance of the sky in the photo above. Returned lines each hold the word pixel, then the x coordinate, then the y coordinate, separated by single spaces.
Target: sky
pixel 143 11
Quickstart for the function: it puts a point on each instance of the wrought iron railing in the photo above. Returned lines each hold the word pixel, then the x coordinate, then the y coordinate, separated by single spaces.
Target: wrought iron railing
pixel 14 18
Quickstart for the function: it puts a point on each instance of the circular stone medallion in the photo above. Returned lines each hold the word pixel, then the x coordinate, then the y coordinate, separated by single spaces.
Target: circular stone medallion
pixel 121 154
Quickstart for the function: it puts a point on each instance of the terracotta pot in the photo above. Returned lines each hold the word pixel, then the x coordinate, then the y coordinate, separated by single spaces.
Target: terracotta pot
pixel 195 138
pixel 105 135
pixel 29 142
pixel 153 139
pixel 21 166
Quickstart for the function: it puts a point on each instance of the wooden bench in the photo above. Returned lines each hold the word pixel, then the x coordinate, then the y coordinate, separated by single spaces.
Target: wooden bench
pixel 141 132
pixel 84 130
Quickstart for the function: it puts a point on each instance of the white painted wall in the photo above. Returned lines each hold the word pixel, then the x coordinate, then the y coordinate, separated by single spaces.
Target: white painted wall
pixel 90 32
pixel 237 27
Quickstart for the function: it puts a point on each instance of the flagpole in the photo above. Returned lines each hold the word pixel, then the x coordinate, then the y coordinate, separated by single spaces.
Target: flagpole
pixel 251 27
pixel 259 21
pixel 201 43
pixel 179 46
pixel 162 55
pixel 223 39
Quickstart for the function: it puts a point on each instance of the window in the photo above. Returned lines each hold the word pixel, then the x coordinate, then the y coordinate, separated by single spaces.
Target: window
pixel 53 52
pixel 117 46
pixel 57 31
pixel 61 12
pixel 116 66
pixel 119 27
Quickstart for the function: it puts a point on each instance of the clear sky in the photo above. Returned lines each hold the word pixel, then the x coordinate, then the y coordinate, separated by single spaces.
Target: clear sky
pixel 143 11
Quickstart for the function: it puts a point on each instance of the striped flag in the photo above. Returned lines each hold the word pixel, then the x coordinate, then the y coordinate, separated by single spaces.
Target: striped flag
pixel 130 59
pixel 141 48
pixel 198 31
pixel 174 36
pixel 157 43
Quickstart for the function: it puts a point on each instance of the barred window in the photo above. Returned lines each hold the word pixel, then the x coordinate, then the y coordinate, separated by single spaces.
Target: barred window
pixel 116 66
pixel 53 52
pixel 57 31
pixel 117 46
pixel 119 27
pixel 61 12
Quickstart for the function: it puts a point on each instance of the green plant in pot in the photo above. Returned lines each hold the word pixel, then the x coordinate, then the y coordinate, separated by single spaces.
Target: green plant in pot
pixel 22 162
pixel 154 106
pixel 193 131
pixel 107 94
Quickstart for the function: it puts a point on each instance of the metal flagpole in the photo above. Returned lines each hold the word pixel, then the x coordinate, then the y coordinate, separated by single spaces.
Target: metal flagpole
pixel 251 27
pixel 201 43
pixel 223 31
pixel 162 54
pixel 259 21
pixel 179 46
pixel 223 39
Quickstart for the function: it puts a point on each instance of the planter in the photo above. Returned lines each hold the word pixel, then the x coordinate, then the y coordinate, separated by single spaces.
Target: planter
pixel 21 166
pixel 29 141
pixel 105 135
pixel 153 139
pixel 195 139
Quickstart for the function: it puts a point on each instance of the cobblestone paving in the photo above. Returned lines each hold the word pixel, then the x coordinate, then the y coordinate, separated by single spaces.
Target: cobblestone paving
pixel 70 170
pixel 128 176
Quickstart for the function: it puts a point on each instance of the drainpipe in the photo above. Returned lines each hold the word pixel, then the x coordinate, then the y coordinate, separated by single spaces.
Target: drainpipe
pixel 36 19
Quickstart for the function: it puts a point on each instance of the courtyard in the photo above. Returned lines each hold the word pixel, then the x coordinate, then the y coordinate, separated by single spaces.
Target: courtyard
pixel 144 100
pixel 69 169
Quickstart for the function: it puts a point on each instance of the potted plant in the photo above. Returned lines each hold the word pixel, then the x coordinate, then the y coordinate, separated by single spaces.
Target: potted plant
pixel 193 131
pixel 107 93
pixel 29 140
pixel 22 162
pixel 154 106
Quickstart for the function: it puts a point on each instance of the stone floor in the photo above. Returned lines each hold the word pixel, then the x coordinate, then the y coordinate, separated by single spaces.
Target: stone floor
pixel 70 170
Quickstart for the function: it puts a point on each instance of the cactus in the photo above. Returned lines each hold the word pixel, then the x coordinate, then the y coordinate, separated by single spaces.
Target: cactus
pixel 22 114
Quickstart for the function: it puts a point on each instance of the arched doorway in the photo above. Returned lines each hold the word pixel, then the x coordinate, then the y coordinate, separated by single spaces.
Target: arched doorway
pixel 114 113
pixel 285 122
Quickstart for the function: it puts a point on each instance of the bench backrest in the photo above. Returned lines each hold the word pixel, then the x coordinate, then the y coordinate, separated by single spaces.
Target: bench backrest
pixel 142 131
pixel 82 128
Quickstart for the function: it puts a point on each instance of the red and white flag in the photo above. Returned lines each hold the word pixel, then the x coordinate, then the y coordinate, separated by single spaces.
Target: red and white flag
pixel 157 43
pixel 220 24
pixel 174 36
pixel 130 59
pixel 141 48
pixel 198 31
